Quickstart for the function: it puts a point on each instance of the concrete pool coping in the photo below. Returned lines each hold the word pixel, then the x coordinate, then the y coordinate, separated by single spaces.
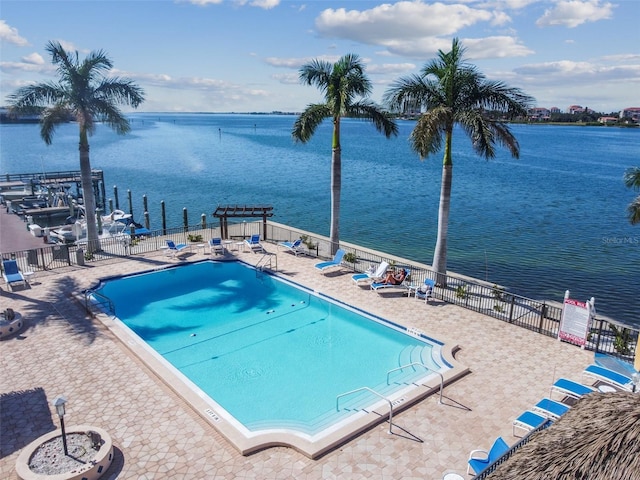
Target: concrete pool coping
pixel 312 446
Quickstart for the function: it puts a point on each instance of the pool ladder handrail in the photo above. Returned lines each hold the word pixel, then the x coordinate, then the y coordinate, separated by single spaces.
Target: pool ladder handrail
pixel 413 364
pixel 371 391
pixel 262 263
pixel 105 300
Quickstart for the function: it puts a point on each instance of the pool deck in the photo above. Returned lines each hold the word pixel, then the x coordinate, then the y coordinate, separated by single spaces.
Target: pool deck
pixel 156 435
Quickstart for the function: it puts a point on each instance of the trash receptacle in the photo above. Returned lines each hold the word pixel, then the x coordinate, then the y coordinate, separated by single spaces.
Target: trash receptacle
pixel 45 234
pixel 80 257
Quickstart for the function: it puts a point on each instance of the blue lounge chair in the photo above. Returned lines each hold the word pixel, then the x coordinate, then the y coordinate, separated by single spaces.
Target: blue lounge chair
pixel 550 408
pixel 426 291
pixel 254 243
pixel 615 379
pixel 336 262
pixel 215 245
pixel 528 421
pixel 480 460
pixel 377 286
pixel 293 247
pixel 367 277
pixel 570 388
pixel 174 249
pixel 11 273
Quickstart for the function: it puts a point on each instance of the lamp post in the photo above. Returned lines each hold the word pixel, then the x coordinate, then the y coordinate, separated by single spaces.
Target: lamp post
pixel 59 403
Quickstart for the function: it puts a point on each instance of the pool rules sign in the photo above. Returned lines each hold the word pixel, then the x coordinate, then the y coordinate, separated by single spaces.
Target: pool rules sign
pixel 576 320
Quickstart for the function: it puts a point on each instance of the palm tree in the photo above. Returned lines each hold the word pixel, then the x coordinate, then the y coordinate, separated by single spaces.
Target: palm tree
pixel 452 92
pixel 342 84
pixel 85 93
pixel 632 180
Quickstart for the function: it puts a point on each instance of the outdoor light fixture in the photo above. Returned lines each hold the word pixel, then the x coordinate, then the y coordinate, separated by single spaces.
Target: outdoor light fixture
pixel 59 403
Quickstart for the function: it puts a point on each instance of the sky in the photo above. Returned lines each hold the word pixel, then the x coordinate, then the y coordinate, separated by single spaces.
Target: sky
pixel 245 55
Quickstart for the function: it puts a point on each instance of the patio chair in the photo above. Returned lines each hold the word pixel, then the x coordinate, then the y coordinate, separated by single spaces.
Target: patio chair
pixel 570 388
pixel 175 250
pixel 215 245
pixel 602 374
pixel 480 460
pixel 11 273
pixel 550 408
pixel 336 262
pixel 426 291
pixel 528 421
pixel 293 247
pixel 367 277
pixel 403 283
pixel 254 243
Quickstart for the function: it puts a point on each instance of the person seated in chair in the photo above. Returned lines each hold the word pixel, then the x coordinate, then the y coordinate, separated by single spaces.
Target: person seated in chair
pixel 395 278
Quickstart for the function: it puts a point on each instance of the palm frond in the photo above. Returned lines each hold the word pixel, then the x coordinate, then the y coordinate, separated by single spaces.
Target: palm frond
pixel 633 211
pixel 371 112
pixel 309 120
pixel 632 177
pixel 427 136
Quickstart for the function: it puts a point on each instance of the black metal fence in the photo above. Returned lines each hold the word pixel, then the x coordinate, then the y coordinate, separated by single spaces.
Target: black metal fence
pixel 607 336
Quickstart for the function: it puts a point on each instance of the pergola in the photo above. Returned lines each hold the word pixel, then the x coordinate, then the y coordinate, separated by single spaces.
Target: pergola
pixel 224 212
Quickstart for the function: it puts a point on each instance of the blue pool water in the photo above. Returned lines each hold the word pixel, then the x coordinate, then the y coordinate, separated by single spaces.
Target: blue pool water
pixel 270 353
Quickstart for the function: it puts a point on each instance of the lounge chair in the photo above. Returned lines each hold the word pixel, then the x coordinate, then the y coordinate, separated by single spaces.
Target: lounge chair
pixel 293 247
pixel 550 408
pixel 377 286
pixel 336 262
pixel 12 274
pixel 175 250
pixel 528 421
pixel 615 379
pixel 570 388
pixel 367 277
pixel 254 243
pixel 215 245
pixel 426 291
pixel 480 460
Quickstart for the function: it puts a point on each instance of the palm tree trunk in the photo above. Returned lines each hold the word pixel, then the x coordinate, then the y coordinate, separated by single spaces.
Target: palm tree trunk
pixel 93 244
pixel 440 252
pixel 336 185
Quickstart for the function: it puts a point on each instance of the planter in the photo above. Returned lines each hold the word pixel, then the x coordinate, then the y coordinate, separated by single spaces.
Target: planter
pixel 10 327
pixel 90 455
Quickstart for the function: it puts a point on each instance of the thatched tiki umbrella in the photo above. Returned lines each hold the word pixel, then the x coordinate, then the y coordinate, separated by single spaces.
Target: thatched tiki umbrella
pixel 598 439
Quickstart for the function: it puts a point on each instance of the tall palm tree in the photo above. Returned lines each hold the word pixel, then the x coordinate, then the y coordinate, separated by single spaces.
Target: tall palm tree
pixel 342 83
pixel 451 91
pixel 84 92
pixel 632 180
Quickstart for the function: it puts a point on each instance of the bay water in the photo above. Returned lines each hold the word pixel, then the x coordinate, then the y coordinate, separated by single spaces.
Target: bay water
pixel 552 220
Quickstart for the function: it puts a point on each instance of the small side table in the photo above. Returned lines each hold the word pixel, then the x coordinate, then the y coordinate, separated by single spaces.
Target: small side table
pixel 452 476
pixel 29 277
pixel 607 389
pixel 200 247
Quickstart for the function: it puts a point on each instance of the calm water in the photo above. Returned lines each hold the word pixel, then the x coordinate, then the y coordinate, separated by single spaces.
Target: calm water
pixel 553 220
pixel 222 317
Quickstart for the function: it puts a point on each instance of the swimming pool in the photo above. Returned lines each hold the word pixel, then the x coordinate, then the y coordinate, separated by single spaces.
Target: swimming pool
pixel 270 358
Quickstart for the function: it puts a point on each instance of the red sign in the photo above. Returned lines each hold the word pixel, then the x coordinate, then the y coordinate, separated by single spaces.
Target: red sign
pixel 576 322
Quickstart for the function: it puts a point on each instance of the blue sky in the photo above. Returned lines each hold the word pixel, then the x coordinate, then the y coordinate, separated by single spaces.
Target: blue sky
pixel 244 55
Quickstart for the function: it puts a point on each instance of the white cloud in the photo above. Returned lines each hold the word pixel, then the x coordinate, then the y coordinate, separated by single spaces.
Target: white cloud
pixel 571 13
pixel 390 68
pixel 298 62
pixel 10 34
pixel 287 78
pixel 266 4
pixel 401 22
pixel 578 73
pixel 17 67
pixel 204 2
pixel 33 59
pixel 493 47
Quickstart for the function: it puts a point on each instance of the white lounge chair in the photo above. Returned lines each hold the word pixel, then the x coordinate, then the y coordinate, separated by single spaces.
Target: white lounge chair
pixel 175 250
pixel 615 379
pixel 293 247
pixel 570 388
pixel 377 286
pixel 11 273
pixel 254 243
pixel 336 262
pixel 367 277
pixel 480 460
pixel 550 408
pixel 528 421
pixel 215 245
pixel 426 291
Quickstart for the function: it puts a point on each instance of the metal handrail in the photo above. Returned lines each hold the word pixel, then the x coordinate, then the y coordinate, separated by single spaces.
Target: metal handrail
pixel 375 393
pixel 106 300
pixel 262 263
pixel 422 365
